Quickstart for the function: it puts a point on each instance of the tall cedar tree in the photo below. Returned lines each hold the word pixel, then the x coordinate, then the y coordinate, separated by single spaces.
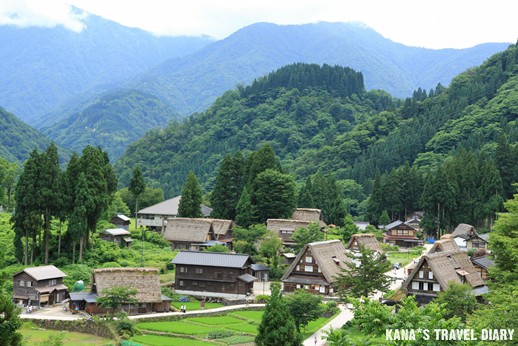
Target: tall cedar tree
pixel 78 221
pixel 190 203
pixel 244 211
pixel 273 195
pixel 277 325
pixel 228 188
pixel 363 275
pixel 327 195
pixel 137 186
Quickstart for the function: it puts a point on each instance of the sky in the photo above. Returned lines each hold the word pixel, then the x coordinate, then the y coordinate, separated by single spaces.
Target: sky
pixel 430 24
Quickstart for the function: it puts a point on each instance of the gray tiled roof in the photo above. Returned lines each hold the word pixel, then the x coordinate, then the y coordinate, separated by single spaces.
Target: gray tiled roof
pixel 44 272
pixel 170 208
pixel 483 262
pixel 212 259
pixel 247 278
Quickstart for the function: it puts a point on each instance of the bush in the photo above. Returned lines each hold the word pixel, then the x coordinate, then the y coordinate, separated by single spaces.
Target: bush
pixel 262 298
pixel 220 334
pixel 388 247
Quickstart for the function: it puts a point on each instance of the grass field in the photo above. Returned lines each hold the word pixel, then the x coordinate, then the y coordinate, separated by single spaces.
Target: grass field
pixel 403 257
pixel 155 340
pixel 33 335
pixel 195 305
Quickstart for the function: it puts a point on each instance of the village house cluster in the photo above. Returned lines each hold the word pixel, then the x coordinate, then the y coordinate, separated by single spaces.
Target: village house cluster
pixel 232 276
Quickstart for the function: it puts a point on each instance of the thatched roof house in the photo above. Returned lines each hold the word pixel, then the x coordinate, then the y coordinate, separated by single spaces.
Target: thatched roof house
pixel 285 228
pixel 309 214
pixel 464 230
pixel 435 272
pixel 367 240
pixel 445 244
pixel 316 267
pixel 191 233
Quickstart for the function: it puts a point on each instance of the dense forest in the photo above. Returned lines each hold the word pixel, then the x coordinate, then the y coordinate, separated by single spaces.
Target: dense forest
pixel 302 112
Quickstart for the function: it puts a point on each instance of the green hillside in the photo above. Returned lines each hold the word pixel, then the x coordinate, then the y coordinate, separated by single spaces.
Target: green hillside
pixel 312 129
pixel 112 121
pixel 17 139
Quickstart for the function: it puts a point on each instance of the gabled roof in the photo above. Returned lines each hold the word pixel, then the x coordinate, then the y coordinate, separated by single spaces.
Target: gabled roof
pixel 187 229
pixel 366 239
pixel 464 229
pixel 116 231
pixel 446 267
pixel 170 208
pixel 446 244
pixel 484 262
pixel 123 217
pixel 484 236
pixel 43 272
pixel 211 259
pixel 145 280
pixel 221 227
pixel 329 255
pixel 285 224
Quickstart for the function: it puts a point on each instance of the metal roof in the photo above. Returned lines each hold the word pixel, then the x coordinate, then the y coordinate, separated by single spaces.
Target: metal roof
pixel 116 231
pixel 247 278
pixel 483 262
pixel 44 272
pixel 170 208
pixel 211 259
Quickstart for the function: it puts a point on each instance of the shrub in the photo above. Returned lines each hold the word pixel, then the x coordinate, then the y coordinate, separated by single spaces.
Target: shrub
pixel 220 334
pixel 184 299
pixel 262 298
pixel 388 247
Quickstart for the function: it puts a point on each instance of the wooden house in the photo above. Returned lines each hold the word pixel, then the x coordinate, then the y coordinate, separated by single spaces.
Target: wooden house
pixel 156 216
pixel 468 236
pixel 36 286
pixel 482 264
pixel 120 236
pixel 435 272
pixel 367 240
pixel 401 234
pixel 213 274
pixel 197 233
pixel 316 266
pixel 445 244
pixel 285 228
pixel 144 280
pixel 121 221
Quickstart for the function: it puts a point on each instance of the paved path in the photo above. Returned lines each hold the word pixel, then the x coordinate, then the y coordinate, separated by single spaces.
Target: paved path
pixel 337 322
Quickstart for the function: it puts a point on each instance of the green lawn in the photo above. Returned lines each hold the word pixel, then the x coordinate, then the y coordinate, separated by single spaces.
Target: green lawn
pixel 155 340
pixel 176 327
pixel 403 257
pixel 217 320
pixel 34 335
pixel 249 315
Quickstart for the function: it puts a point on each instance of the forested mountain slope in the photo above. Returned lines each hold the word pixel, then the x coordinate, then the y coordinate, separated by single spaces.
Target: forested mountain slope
pixel 113 121
pixel 43 67
pixel 315 128
pixel 17 139
pixel 193 82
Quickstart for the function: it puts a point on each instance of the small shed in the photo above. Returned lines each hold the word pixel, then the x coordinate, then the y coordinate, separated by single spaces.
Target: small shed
pixel 121 221
pixel 117 235
pixel 260 271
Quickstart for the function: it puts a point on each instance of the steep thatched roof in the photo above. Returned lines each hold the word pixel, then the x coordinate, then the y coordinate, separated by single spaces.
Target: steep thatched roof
pixel 368 240
pixel 445 244
pixel 145 280
pixel 463 229
pixel 188 230
pixel 285 224
pixel 329 255
pixel 448 266
pixel 308 214
pixel 221 227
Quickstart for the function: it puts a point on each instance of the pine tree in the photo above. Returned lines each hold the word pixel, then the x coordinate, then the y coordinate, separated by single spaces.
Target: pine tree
pixel 228 188
pixel 273 195
pixel 305 198
pixel 244 211
pixel 137 186
pixel 277 326
pixel 190 203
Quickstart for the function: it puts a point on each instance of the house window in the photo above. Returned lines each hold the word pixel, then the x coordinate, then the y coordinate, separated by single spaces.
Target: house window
pixel 53 282
pixel 421 274
pixel 22 283
pixel 322 289
pixel 218 275
pixel 181 283
pixel 308 268
pixel 306 287
pixel 183 269
pixel 309 259
pixel 415 285
pixel 430 275
pixel 319 270
pixel 28 283
pixel 298 286
pixel 199 270
pixel 436 287
pixel 298 268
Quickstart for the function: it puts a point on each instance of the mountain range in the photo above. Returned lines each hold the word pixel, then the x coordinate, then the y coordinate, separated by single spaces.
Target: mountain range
pixel 94 87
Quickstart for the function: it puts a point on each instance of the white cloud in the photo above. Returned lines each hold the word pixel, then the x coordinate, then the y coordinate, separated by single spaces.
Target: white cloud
pixel 438 24
pixel 48 13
